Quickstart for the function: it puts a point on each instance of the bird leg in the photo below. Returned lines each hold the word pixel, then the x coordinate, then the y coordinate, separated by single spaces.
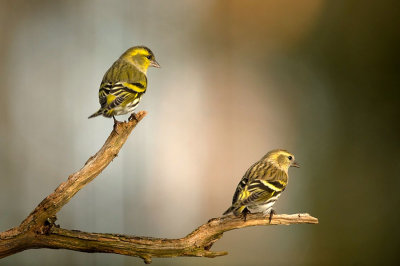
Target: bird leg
pixel 244 214
pixel 133 117
pixel 116 122
pixel 271 213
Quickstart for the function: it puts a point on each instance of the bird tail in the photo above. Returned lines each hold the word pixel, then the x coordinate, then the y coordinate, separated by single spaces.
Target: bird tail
pixel 99 112
pixel 236 210
pixel 229 210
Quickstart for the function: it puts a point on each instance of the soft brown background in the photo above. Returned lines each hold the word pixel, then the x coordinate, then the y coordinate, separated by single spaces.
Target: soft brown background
pixel 319 78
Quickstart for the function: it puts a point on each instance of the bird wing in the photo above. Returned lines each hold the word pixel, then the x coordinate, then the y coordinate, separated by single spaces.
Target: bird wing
pixel 254 193
pixel 112 95
pixel 257 186
pixel 260 191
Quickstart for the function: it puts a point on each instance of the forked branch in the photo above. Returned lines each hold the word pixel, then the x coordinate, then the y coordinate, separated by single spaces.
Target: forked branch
pixel 39 230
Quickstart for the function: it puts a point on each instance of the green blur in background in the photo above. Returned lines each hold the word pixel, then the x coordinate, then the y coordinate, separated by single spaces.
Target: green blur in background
pixel 238 78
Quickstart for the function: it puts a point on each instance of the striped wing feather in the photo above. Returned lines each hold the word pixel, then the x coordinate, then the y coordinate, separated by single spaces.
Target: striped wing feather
pixel 118 94
pixel 260 183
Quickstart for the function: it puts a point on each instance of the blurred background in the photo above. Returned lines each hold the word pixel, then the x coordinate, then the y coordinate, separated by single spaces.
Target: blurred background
pixel 239 78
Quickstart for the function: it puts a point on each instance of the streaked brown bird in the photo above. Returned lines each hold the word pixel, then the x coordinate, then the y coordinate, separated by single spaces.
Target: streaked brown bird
pixel 262 184
pixel 125 82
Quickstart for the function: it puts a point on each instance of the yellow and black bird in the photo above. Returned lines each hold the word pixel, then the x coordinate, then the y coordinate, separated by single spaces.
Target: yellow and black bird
pixel 262 184
pixel 125 82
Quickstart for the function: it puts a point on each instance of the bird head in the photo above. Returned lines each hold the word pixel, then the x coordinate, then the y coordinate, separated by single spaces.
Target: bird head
pixel 140 56
pixel 281 159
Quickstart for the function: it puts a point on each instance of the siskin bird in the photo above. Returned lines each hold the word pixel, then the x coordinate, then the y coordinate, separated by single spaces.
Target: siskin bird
pixel 262 184
pixel 125 82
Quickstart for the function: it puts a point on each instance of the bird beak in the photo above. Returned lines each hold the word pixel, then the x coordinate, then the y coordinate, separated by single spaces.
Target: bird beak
pixel 295 164
pixel 154 63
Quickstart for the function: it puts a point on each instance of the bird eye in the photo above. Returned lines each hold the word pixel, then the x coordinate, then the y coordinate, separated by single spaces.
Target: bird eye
pixel 149 57
pixel 290 158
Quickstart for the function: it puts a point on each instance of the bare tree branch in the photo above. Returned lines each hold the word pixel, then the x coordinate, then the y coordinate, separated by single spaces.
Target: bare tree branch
pixel 39 230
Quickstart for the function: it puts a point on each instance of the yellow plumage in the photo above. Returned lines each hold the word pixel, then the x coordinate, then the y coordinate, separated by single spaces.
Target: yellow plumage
pixel 125 82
